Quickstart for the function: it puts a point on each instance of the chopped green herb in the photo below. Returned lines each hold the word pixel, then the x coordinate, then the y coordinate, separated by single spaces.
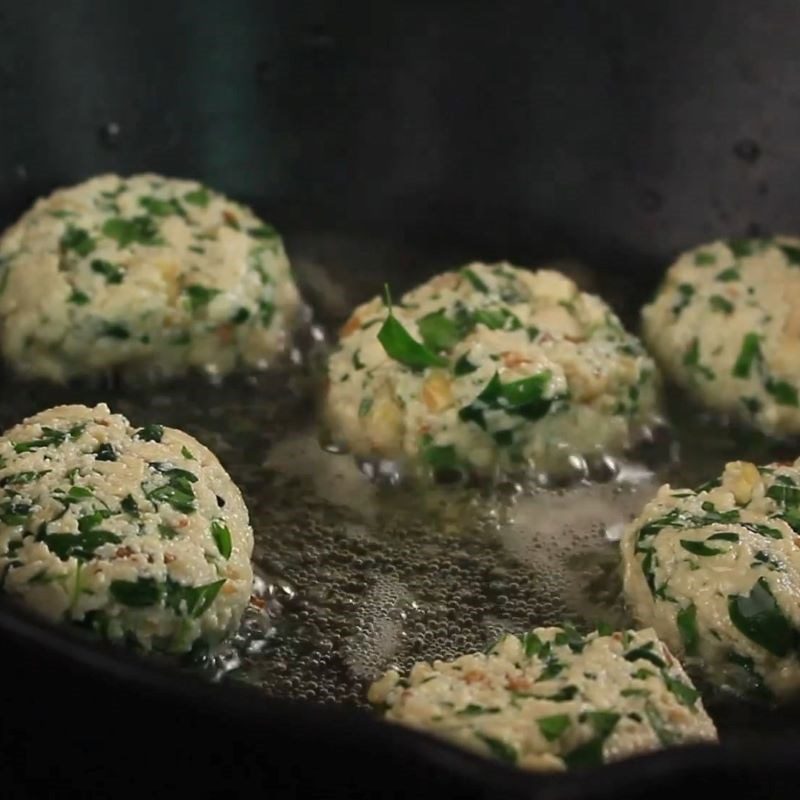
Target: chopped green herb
pixel 22 477
pixel 497 319
pixel 439 457
pixel 588 754
pixel 139 230
pixel 78 297
pixel 764 530
pixel 635 693
pixel 662 731
pixel 553 726
pixel 77 239
pixel 79 545
pixel 194 601
pixel 703 258
pixel 222 538
pixel 197 197
pixel 792 254
pixel 685 292
pixel 14 512
pixel 603 722
pixel 161 208
pixel 115 331
pixel 724 536
pixel 686 695
pixel 749 353
pixel 105 453
pixel 137 594
pixel 498 748
pixel 199 296
pixel 241 316
pixel 50 438
pixel 758 616
pixel 721 304
pixel 263 231
pixel 150 433
pixel 187 453
pixel 180 497
pixel 691 359
pixel 699 548
pixel 111 272
pixel 524 397
pixel 645 652
pixel 744 247
pixel 728 275
pixel 784 393
pixel 438 332
pixel 476 282
pixel 128 505
pixel 687 627
pixel 464 366
pixel 643 674
pixel 531 644
pixel 365 406
pixel 266 311
pixel 402 347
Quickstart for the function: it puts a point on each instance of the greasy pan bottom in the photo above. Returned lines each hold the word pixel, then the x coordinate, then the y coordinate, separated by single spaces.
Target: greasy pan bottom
pixel 356 577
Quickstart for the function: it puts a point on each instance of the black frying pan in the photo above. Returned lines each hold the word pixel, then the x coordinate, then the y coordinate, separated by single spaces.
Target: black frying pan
pixel 617 133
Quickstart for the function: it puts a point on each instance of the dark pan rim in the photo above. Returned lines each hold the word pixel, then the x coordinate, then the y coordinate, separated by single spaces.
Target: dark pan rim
pixel 772 755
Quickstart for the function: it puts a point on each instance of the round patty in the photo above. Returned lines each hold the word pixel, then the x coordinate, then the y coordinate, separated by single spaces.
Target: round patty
pixel 716 572
pixel 725 326
pixel 489 367
pixel 138 534
pixel 144 273
pixel 553 699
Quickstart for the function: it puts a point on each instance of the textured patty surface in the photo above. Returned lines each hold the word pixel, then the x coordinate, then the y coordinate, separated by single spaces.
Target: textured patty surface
pixel 489 367
pixel 136 533
pixel 145 273
pixel 716 572
pixel 725 326
pixel 553 699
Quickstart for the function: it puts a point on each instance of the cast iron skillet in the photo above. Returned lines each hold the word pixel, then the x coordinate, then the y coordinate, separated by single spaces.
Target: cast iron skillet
pixel 616 133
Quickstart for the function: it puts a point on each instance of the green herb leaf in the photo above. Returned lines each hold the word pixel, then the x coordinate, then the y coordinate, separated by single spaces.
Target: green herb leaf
pixel 783 392
pixel 78 297
pixel 473 710
pixel 192 601
pixel 266 311
pixel 721 304
pixel 128 505
pixel 200 296
pixel 263 231
pixel 79 545
pixel 240 317
pixel 686 695
pixel 497 319
pixel 662 731
pixel 115 331
pixel 137 594
pixel 476 282
pixel 498 748
pixel 402 347
pixel 588 754
pixel 222 537
pixel 439 457
pixel 728 275
pixel 150 433
pixel 464 366
pixel 438 332
pixel 758 616
pixel 645 652
pixel 187 453
pixel 687 627
pixel 553 726
pixel 699 548
pixel 198 197
pixel 685 292
pixel 111 272
pixel 792 254
pixel 531 644
pixel 603 722
pixel 691 359
pixel 161 208
pixel 524 397
pixel 703 258
pixel 139 230
pixel 749 353
pixel 78 240
pixel 105 452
